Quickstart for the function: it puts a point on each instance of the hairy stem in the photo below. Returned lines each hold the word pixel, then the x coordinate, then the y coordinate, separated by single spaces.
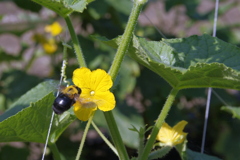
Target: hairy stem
pixel 113 72
pixel 84 138
pixel 161 118
pixel 76 44
pixel 55 151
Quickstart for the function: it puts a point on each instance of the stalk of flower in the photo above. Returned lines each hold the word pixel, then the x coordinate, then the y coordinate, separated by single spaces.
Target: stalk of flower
pixel 95 94
pixel 171 136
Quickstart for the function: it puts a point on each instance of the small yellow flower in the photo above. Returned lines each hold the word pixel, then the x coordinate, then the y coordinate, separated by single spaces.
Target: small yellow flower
pixel 55 29
pixel 49 46
pixel 169 136
pixel 95 93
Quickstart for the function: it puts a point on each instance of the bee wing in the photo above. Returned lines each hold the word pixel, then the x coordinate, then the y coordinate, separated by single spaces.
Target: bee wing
pixel 87 102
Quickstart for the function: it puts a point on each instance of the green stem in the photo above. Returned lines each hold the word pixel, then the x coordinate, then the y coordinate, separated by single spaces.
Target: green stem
pixel 116 137
pixel 126 38
pixel 84 137
pixel 105 139
pixel 122 49
pixel 158 124
pixel 76 45
pixel 54 149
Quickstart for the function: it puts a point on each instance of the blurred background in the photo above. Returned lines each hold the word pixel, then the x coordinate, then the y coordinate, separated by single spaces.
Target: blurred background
pixel 30 54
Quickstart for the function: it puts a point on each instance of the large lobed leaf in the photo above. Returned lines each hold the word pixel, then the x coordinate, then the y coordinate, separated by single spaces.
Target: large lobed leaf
pixel 193 62
pixel 33 95
pixel 31 124
pixel 64 7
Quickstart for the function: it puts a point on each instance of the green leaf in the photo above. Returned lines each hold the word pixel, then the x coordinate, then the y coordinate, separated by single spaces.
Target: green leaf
pixel 193 62
pixel 32 95
pixel 64 7
pixel 31 124
pixel 28 5
pixel 191 155
pixel 159 153
pixel 127 77
pixel 235 111
pixel 123 6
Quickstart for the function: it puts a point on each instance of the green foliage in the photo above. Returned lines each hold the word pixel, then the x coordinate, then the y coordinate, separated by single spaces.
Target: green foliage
pixel 31 124
pixel 14 85
pixel 191 155
pixel 33 95
pixel 64 7
pixel 194 62
pixel 29 5
pixel 235 111
pixel 159 153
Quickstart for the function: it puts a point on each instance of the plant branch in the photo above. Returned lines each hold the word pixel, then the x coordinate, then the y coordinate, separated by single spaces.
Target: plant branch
pixel 161 118
pixel 76 44
pixel 84 137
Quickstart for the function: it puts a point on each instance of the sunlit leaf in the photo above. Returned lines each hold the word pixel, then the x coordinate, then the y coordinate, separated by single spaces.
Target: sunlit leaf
pixel 193 62
pixel 64 7
pixel 235 111
pixel 31 124
pixel 32 95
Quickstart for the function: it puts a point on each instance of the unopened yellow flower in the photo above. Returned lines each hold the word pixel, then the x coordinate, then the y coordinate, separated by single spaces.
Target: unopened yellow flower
pixel 55 29
pixel 169 136
pixel 49 46
pixel 95 93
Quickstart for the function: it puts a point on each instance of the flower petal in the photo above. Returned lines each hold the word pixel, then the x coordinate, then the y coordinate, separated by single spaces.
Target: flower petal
pixel 82 77
pixel 106 100
pixel 84 111
pixel 172 136
pixel 180 126
pixel 165 133
pixel 179 136
pixel 100 80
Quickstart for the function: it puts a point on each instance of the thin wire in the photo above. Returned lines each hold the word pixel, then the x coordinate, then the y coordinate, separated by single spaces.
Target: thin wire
pixel 206 119
pixel 215 18
pixel 51 122
pixel 63 78
pixel 49 130
pixel 209 89
pixel 220 98
pixel 155 26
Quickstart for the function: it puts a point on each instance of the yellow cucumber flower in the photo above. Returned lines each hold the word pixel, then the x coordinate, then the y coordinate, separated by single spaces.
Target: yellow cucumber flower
pixel 95 93
pixel 55 29
pixel 49 46
pixel 171 136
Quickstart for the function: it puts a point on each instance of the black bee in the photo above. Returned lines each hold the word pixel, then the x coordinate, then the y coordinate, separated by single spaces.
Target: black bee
pixel 66 99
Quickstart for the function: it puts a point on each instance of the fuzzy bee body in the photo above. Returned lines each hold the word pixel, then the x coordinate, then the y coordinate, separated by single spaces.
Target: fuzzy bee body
pixel 66 99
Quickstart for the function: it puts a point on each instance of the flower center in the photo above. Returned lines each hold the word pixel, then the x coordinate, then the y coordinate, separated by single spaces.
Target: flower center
pixel 92 93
